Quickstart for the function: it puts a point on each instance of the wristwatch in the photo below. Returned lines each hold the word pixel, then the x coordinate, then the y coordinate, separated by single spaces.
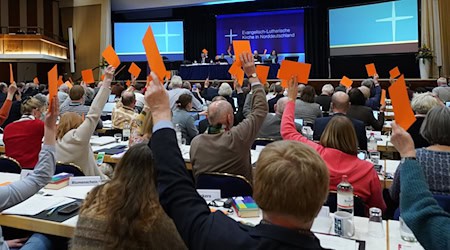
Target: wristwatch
pixel 407 158
pixel 254 75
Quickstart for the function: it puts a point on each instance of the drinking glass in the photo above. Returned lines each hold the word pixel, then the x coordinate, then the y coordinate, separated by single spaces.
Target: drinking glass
pixel 118 137
pixel 375 223
pixel 405 233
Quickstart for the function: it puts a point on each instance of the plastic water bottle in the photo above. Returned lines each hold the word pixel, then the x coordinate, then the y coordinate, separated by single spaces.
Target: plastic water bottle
pixel 126 132
pixel 372 143
pixel 178 133
pixel 345 196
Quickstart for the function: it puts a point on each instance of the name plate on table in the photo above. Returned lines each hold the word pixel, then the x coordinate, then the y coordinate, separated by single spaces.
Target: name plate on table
pixel 85 181
pixel 209 194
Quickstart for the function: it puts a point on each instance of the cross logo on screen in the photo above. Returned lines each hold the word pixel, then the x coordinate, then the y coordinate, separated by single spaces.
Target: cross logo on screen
pixel 231 35
pixel 166 35
pixel 393 19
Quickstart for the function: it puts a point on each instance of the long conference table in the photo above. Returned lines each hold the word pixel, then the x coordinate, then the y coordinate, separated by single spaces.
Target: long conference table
pixel 216 71
pixel 323 224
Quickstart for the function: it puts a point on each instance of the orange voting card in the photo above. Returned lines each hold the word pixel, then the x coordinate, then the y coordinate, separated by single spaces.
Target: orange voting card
pixel 102 77
pixel 204 51
pixel 153 57
pixel 241 46
pixel 288 69
pixel 149 79
pixel 240 76
pixel 347 82
pixel 60 81
pixel 168 75
pixel 278 74
pixel 52 84
pixel 383 97
pixel 128 83
pixel 5 183
pixel 371 70
pixel 234 69
pixel 69 84
pixel 36 80
pixel 404 115
pixel 284 83
pixel 262 72
pixel 11 75
pixel 111 57
pixel 134 70
pixel 88 76
pixel 393 73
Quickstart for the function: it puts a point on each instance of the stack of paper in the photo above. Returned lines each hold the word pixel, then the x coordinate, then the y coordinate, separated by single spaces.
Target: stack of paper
pixel 36 204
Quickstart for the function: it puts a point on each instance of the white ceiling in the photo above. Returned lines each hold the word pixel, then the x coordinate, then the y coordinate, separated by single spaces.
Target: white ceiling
pixel 123 5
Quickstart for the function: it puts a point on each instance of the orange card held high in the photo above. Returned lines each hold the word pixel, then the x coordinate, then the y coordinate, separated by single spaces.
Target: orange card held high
pixel 234 69
pixel 262 72
pixel 88 76
pixel 241 46
pixel 347 82
pixel 288 69
pixel 404 115
pixel 52 84
pixel 371 70
pixel 393 73
pixel 111 57
pixel 11 75
pixel 153 57
pixel 134 70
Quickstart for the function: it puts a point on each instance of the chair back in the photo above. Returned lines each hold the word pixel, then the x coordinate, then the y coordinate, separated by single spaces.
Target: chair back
pixel 230 185
pixel 359 207
pixel 9 165
pixel 69 168
pixel 262 142
pixel 443 200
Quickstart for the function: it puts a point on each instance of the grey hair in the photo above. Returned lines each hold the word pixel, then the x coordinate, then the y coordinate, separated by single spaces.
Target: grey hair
pixel 422 103
pixel 435 126
pixel 186 85
pixel 328 89
pixel 281 105
pixel 176 82
pixel 368 83
pixel 441 81
pixel 225 89
pixel 366 91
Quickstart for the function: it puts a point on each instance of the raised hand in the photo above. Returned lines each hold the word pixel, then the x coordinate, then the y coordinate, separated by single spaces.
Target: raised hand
pixel 158 100
pixel 50 122
pixel 11 91
pixel 292 88
pixel 402 141
pixel 109 73
pixel 248 63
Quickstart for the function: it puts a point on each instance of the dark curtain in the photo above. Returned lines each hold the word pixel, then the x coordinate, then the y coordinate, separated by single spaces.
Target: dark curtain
pixel 199 34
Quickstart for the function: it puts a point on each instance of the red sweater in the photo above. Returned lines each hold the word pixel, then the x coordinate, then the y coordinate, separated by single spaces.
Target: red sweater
pixel 23 141
pixel 361 174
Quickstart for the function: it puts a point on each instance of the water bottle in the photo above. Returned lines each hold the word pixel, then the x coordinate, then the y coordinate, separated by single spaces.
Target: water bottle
pixel 178 133
pixel 345 196
pixel 372 143
pixel 126 132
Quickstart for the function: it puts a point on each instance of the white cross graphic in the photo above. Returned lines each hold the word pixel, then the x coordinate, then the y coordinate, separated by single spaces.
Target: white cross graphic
pixel 393 19
pixel 166 35
pixel 231 35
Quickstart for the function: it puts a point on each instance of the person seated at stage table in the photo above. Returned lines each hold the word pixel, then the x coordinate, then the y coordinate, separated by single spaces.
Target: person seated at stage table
pixel 204 58
pixel 125 113
pixel 442 90
pixel 23 138
pixel 324 99
pixel 74 134
pixel 421 104
pixel 271 126
pixel 210 90
pixel 278 95
pixel 273 57
pixel 233 143
pixel 226 91
pixel 283 168
pixel 306 108
pixel 141 128
pixel 373 101
pixel 340 105
pixel 435 159
pixel 256 56
pixel 184 119
pixel 21 190
pixel 115 215
pixel 177 90
pixel 7 104
pixel 359 111
pixel 338 148
pixel 419 209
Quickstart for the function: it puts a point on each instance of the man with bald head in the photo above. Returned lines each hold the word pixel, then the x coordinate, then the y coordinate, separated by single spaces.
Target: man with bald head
pixel 124 114
pixel 225 148
pixel 270 129
pixel 340 103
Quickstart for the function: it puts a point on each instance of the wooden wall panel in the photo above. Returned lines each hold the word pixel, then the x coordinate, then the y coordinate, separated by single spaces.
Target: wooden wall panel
pixel 32 14
pixel 14 14
pixel 48 18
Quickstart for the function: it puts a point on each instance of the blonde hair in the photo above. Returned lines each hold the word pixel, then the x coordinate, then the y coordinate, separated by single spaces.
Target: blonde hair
pixel 340 134
pixel 422 103
pixel 285 168
pixel 29 104
pixel 67 122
